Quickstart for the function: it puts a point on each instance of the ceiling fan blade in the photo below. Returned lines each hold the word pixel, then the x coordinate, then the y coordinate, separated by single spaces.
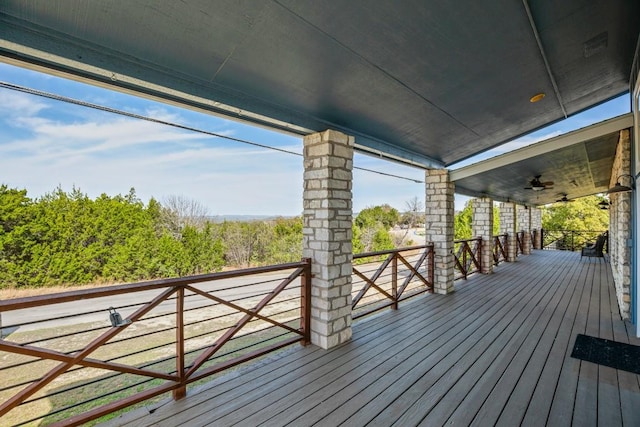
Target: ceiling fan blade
pixel 547 183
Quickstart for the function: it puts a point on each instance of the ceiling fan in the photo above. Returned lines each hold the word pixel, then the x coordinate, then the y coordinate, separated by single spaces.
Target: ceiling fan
pixel 564 199
pixel 536 185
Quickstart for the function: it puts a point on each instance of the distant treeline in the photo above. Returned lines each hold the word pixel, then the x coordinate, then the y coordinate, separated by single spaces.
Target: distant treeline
pixel 67 238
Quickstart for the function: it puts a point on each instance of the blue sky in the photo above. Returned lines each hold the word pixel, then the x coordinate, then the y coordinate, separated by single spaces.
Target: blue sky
pixel 46 143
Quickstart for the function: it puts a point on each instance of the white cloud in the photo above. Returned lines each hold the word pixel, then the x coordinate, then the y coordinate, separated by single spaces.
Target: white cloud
pixel 114 154
pixel 16 104
pixel 50 144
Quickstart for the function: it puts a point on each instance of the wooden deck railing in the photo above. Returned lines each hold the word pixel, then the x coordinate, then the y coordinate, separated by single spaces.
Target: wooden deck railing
pixel 519 243
pixel 467 254
pixel 500 248
pixel 156 337
pixel 159 337
pixel 389 277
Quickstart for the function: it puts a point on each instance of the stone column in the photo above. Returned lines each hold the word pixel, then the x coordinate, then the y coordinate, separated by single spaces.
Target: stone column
pixel 439 226
pixel 536 224
pixel 327 222
pixel 508 225
pixel 620 226
pixel 524 224
pixel 482 226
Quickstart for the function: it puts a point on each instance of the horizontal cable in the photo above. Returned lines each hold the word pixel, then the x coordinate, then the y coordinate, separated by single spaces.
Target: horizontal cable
pixel 78 102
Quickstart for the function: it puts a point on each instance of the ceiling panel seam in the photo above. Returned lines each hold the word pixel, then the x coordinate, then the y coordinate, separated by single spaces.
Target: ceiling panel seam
pixel 544 57
pixel 377 67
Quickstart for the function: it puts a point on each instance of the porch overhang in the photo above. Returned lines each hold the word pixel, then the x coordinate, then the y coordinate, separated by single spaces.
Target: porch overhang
pixel 429 84
pixel 579 163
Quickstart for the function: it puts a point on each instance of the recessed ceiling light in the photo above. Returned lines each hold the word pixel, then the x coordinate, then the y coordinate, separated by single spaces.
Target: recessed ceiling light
pixel 537 97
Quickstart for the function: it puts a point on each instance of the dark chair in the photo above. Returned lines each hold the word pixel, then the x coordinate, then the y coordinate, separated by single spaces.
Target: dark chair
pixel 595 249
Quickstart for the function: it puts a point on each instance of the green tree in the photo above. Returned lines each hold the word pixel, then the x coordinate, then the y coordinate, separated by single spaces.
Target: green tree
pixel 581 215
pixel 285 241
pixel 371 229
pixel 374 216
pixel 16 237
pixel 68 238
pixel 462 222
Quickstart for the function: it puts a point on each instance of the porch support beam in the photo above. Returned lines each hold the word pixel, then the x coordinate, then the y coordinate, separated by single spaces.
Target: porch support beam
pixel 523 214
pixel 482 226
pixel 440 212
pixel 620 231
pixel 536 226
pixel 508 226
pixel 327 222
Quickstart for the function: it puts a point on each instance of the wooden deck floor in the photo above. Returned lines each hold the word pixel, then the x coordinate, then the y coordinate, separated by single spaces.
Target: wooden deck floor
pixel 496 352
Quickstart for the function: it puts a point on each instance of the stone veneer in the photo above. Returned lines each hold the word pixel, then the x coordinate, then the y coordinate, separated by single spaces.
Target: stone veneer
pixel 508 226
pixel 523 215
pixel 536 225
pixel 620 225
pixel 327 231
pixel 439 226
pixel 482 226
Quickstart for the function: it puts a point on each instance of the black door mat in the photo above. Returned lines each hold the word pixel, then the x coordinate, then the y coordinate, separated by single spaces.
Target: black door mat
pixel 608 353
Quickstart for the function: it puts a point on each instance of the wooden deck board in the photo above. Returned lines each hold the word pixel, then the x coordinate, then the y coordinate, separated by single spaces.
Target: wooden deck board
pixel 522 392
pixel 585 411
pixel 523 309
pixel 429 367
pixel 562 406
pixel 608 389
pixel 539 404
pixel 493 390
pixel 496 352
pixel 405 343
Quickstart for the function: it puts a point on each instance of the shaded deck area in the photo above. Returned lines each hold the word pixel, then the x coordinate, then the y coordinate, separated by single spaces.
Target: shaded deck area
pixel 496 352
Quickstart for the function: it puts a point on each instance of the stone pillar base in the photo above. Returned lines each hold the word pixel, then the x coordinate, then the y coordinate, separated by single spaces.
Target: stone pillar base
pixel 527 243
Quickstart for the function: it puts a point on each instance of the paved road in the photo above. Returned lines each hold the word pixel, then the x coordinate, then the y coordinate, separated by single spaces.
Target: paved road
pixel 38 317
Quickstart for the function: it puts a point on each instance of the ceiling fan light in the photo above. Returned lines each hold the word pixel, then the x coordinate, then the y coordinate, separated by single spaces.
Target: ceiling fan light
pixel 537 187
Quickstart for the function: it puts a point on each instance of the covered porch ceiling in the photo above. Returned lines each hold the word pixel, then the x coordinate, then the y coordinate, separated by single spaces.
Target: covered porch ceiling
pixel 426 83
pixel 578 163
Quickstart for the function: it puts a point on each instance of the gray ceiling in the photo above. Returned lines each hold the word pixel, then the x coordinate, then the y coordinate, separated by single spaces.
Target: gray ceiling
pixel 431 82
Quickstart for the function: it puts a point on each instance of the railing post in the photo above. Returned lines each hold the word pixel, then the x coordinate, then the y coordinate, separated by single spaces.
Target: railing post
pixel 465 268
pixel 181 392
pixel 506 246
pixel 480 255
pixel 394 281
pixel 432 263
pixel 305 303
